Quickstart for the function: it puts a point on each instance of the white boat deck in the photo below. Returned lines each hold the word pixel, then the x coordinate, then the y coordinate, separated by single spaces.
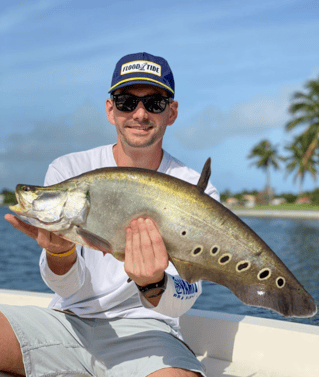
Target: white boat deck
pixel 231 345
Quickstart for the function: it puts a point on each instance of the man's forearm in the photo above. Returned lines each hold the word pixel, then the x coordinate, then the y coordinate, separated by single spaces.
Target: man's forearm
pixel 61 265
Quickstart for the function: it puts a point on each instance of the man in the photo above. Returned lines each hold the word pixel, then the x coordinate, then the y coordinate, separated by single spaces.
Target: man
pixel 99 323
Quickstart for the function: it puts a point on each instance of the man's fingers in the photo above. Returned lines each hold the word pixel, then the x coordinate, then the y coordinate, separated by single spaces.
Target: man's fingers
pixel 44 239
pixel 128 247
pixel 146 243
pixel 27 229
pixel 136 242
pixel 52 242
pixel 156 239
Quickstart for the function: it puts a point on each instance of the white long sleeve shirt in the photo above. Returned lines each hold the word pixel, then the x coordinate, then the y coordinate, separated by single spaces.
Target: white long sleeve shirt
pixel 96 285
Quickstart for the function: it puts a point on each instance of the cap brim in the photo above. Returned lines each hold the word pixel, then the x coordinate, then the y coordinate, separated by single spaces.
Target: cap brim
pixel 140 80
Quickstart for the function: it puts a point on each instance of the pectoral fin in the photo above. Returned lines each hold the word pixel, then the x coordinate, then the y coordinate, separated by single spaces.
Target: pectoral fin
pixel 94 241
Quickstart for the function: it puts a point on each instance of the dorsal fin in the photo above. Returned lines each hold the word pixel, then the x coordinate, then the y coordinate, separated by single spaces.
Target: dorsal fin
pixel 204 177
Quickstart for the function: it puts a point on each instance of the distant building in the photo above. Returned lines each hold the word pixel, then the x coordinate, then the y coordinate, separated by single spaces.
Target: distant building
pixel 230 202
pixel 278 201
pixel 303 200
pixel 1 199
pixel 249 201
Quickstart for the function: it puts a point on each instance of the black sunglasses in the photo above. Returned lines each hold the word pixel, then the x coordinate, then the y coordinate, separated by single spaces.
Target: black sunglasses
pixel 154 103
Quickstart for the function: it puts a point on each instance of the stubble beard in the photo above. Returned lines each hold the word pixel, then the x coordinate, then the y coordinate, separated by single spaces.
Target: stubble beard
pixel 140 141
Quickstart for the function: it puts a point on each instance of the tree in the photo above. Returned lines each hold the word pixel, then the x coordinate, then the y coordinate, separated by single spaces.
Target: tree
pixel 266 156
pixel 305 111
pixel 9 197
pixel 296 160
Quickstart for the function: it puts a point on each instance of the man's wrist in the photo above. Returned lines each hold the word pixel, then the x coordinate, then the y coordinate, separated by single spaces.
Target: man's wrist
pixel 64 254
pixel 154 289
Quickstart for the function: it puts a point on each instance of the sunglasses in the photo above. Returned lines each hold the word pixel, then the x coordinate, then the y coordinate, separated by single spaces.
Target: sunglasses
pixel 154 103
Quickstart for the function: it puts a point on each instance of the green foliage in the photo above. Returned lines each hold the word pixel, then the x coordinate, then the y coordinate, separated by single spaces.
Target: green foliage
pixel 296 161
pixel 289 197
pixel 265 155
pixel 225 195
pixel 314 197
pixel 304 111
pixel 9 197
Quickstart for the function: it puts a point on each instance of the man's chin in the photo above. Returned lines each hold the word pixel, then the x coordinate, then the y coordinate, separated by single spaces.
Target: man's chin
pixel 139 143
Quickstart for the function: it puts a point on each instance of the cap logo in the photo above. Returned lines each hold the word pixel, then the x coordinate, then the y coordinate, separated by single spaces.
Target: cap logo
pixel 141 66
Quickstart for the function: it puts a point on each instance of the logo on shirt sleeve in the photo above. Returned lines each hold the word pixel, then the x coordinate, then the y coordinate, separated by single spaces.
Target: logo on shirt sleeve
pixel 184 290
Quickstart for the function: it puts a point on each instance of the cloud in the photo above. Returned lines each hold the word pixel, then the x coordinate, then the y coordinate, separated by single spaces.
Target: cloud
pixel 252 118
pixel 25 157
pixel 84 129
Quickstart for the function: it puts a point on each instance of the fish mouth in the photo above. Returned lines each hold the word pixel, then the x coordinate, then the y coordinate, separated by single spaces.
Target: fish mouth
pixel 20 207
pixel 20 210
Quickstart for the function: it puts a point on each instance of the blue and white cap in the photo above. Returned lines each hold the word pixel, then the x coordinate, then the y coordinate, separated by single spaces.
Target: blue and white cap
pixel 143 68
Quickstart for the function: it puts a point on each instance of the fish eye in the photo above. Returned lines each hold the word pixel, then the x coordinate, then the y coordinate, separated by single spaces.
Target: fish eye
pixel 184 233
pixel 25 188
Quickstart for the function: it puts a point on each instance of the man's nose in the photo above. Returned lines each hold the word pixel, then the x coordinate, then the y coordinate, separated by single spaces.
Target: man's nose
pixel 140 112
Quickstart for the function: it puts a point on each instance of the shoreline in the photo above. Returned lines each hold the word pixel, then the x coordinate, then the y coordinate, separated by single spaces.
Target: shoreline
pixel 268 213
pixel 273 213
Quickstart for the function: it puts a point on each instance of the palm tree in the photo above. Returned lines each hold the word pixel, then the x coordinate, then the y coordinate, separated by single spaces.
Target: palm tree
pixel 305 111
pixel 296 160
pixel 265 156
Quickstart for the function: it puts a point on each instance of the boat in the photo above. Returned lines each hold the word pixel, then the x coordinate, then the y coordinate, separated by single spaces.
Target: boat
pixel 231 345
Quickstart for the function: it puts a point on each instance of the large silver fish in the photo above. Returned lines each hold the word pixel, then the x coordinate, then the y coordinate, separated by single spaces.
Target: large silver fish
pixel 205 240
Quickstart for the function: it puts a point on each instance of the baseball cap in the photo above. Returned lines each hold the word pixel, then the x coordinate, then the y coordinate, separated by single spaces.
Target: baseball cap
pixel 143 68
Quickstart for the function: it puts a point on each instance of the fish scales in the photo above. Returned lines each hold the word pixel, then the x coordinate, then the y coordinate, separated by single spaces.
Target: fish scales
pixel 205 240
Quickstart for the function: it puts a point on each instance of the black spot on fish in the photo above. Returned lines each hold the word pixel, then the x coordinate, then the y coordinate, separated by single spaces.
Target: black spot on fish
pixel 224 259
pixel 264 274
pixel 197 250
pixel 184 233
pixel 280 282
pixel 242 266
pixel 214 250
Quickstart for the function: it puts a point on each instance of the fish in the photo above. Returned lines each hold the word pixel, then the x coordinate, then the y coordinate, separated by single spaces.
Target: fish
pixel 204 239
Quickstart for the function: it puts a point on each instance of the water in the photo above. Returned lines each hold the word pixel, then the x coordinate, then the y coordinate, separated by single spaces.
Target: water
pixel 296 242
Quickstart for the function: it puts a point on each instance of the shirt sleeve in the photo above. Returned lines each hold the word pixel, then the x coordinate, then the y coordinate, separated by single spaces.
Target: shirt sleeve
pixel 177 299
pixel 68 284
pixel 64 285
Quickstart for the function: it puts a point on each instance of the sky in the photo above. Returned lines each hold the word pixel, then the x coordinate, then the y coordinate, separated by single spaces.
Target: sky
pixel 236 66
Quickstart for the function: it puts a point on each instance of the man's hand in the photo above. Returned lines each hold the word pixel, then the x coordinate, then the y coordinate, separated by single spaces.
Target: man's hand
pixel 44 238
pixel 49 241
pixel 146 258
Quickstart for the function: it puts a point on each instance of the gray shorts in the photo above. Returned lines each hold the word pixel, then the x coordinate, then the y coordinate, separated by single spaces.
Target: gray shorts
pixel 59 344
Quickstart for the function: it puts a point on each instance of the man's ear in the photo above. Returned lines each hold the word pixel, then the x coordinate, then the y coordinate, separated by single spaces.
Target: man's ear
pixel 109 105
pixel 173 112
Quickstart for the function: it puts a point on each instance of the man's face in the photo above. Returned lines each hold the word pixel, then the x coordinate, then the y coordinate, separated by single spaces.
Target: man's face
pixel 140 128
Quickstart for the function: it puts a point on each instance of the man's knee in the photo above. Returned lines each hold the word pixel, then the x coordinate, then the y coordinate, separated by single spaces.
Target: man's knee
pixel 10 351
pixel 174 372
